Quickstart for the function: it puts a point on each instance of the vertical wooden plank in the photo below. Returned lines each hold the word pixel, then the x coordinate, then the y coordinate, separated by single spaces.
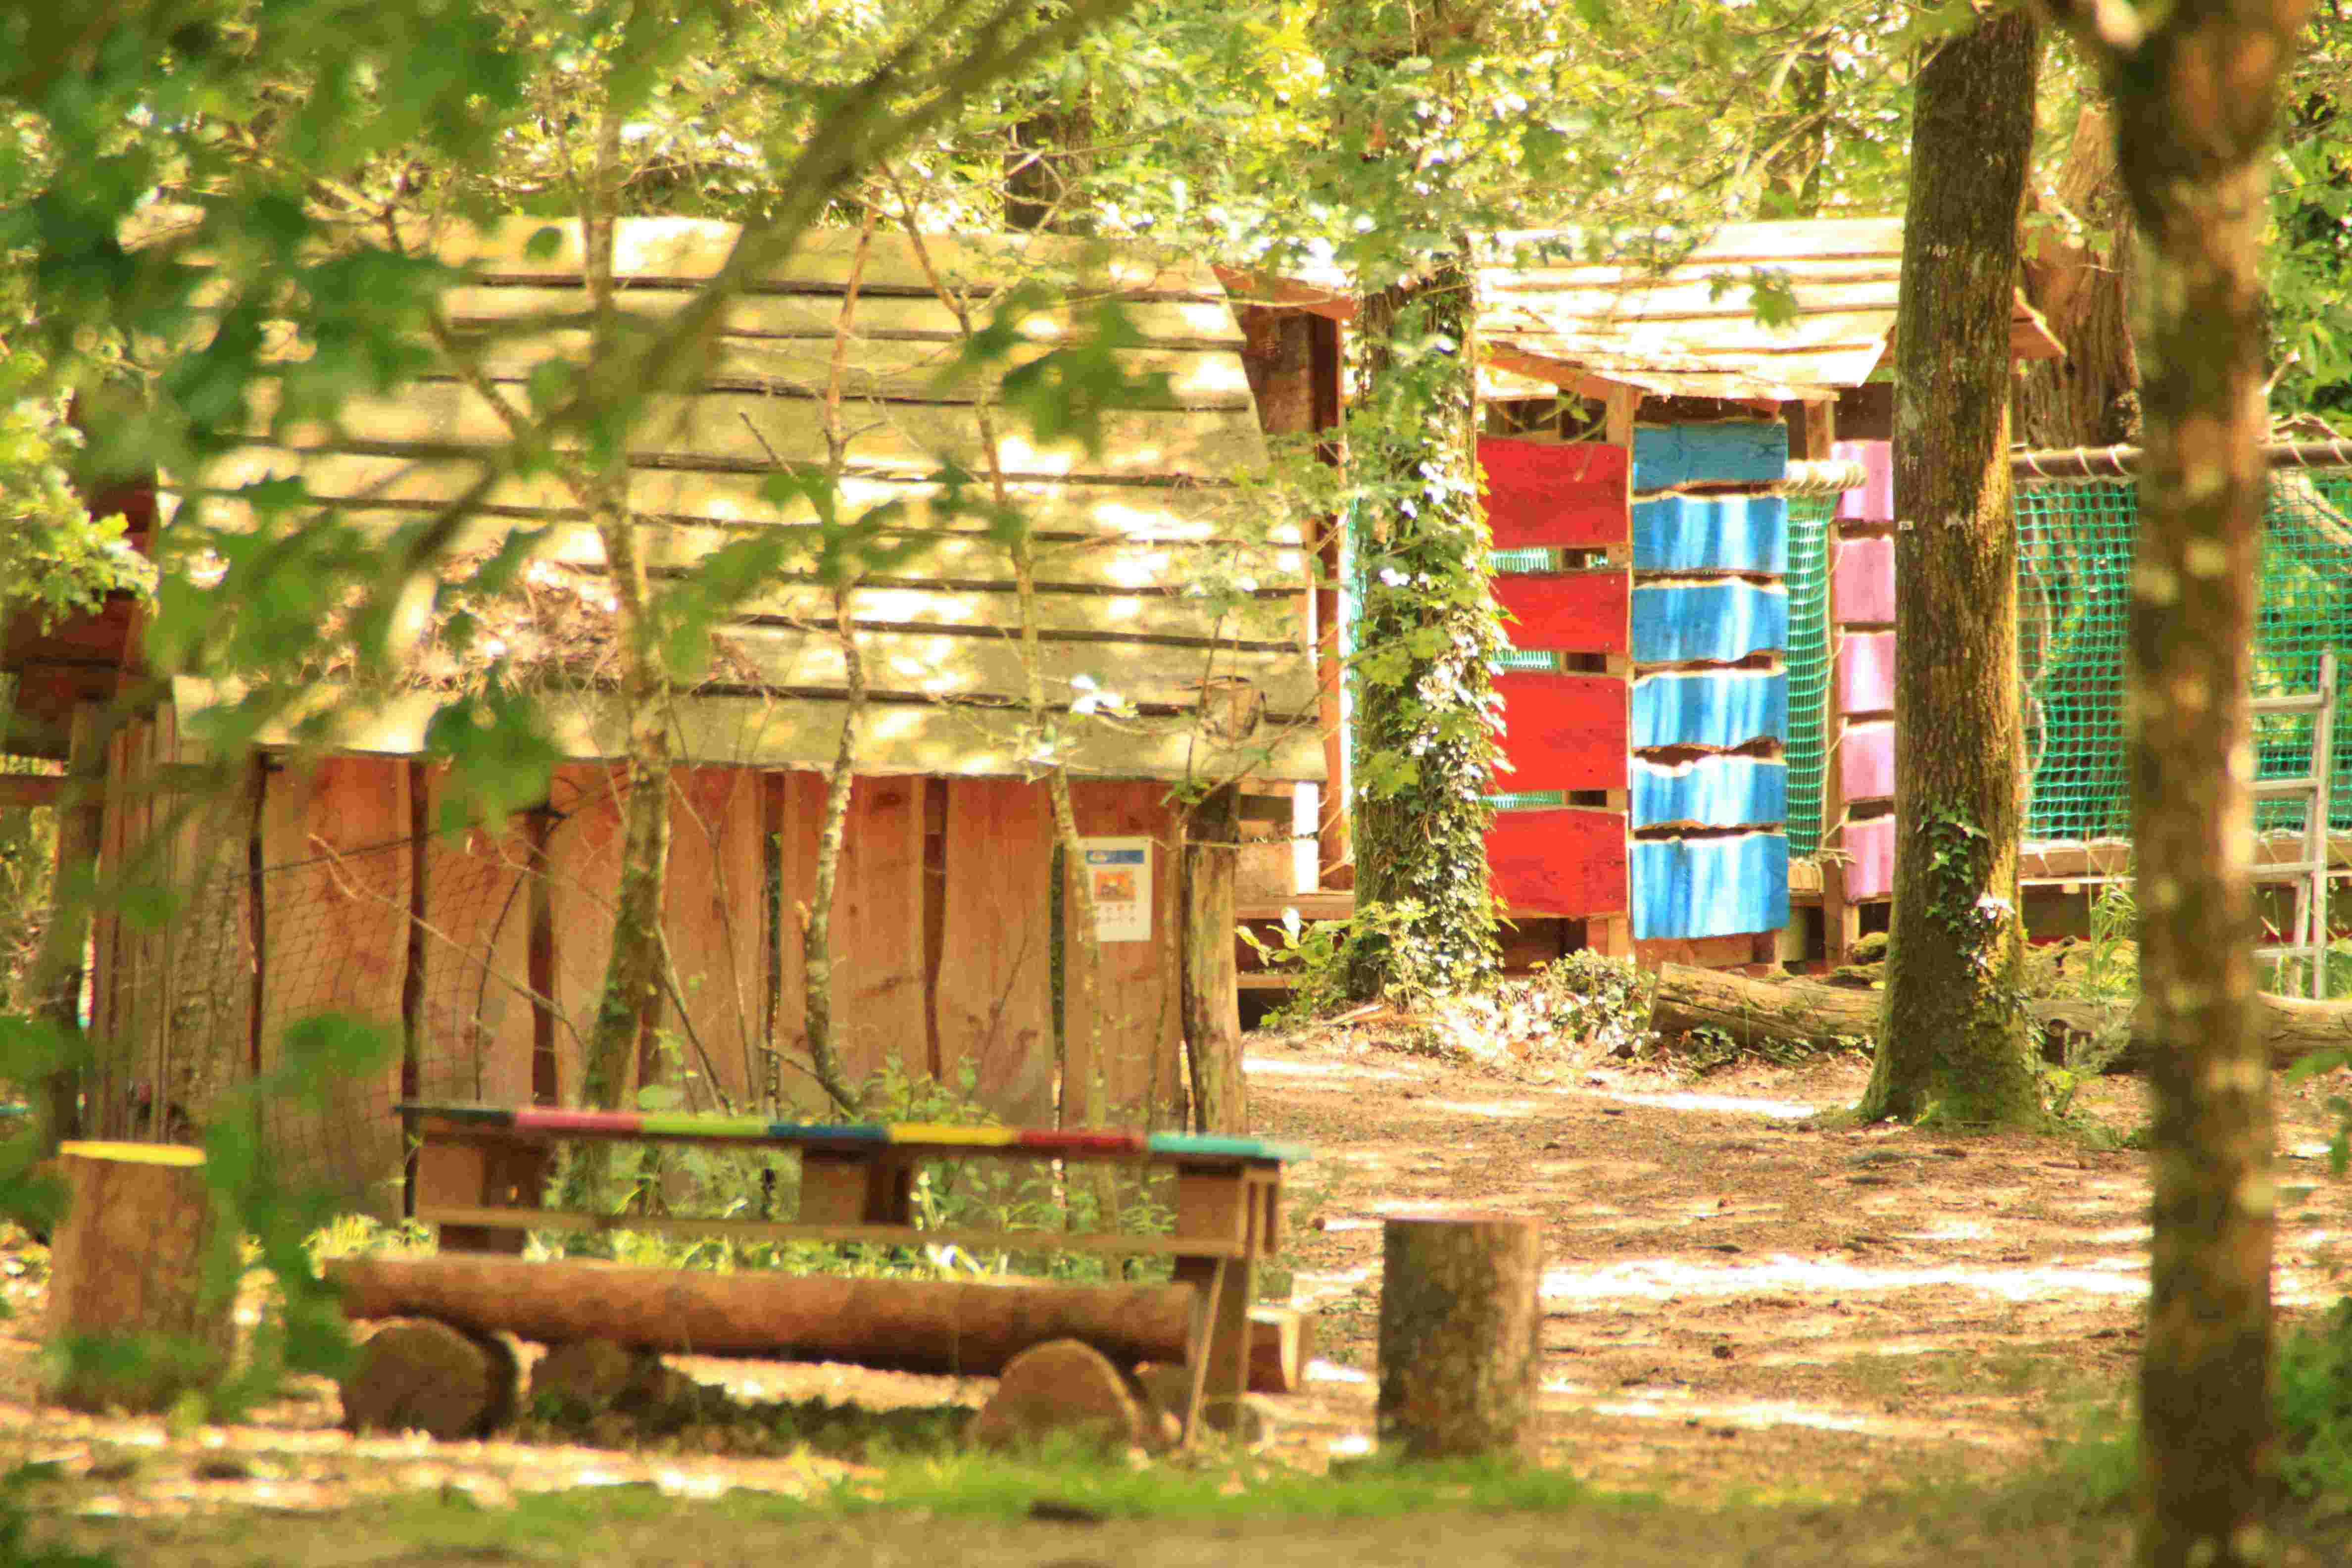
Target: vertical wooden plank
pixel 546 1070
pixel 584 860
pixel 1142 1034
pixel 335 888
pixel 714 921
pixel 477 1028
pixel 992 1005
pixel 208 1019
pixel 796 810
pixel 879 1005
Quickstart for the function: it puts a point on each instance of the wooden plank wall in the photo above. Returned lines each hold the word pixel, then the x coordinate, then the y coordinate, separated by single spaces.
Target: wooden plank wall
pixel 1858 815
pixel 1563 693
pixel 1125 537
pixel 1709 782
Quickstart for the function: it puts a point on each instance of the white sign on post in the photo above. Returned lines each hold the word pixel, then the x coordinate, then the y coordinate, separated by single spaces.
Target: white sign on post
pixel 1118 871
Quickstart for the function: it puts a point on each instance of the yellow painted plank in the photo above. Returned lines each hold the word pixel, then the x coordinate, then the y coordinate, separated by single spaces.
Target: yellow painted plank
pixel 749 429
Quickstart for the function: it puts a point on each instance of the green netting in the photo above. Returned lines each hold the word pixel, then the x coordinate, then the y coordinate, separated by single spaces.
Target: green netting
pixel 1810 520
pixel 2074 546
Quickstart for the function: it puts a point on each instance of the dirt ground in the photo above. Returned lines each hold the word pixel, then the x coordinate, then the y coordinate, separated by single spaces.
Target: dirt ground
pixel 1742 1305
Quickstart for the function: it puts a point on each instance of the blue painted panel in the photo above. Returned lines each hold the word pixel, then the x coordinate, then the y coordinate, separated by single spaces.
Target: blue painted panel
pixel 1710 454
pixel 1709 887
pixel 1712 792
pixel 1722 707
pixel 1711 533
pixel 1707 620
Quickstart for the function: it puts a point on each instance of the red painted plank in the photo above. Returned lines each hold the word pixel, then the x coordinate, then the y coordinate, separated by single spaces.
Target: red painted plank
pixel 1542 493
pixel 1865 673
pixel 1561 862
pixel 1567 612
pixel 1562 731
pixel 1866 760
pixel 1864 582
pixel 1870 858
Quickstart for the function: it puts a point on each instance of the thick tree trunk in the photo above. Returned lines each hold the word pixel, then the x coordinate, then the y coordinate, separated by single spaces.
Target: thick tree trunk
pixel 2194 110
pixel 1807 1013
pixel 1424 741
pixel 1459 1319
pixel 132 1271
pixel 1955 1041
pixel 917 1325
pixel 2078 263
pixel 1213 1026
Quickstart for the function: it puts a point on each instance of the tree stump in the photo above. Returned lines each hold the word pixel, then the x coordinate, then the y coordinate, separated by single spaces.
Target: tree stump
pixel 418 1375
pixel 1458 1334
pixel 131 1303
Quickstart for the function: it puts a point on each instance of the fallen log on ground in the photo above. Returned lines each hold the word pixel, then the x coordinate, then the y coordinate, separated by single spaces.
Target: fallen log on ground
pixel 1809 1013
pixel 908 1325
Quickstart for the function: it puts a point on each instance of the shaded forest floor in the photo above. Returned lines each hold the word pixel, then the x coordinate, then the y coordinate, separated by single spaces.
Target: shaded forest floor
pixel 1805 1341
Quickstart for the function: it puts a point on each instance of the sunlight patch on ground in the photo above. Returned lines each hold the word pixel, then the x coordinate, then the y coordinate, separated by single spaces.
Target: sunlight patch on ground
pixel 1949 1230
pixel 1657 1279
pixel 1346 1075
pixel 1332 1372
pixel 1757 1414
pixel 1780 1109
pixel 1491 1109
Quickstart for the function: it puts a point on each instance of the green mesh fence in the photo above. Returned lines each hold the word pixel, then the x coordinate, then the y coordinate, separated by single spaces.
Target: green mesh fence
pixel 2074 603
pixel 2075 556
pixel 1809 520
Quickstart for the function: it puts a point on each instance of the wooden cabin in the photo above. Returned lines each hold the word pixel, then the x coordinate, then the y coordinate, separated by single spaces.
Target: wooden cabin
pixel 1645 433
pixel 1164 593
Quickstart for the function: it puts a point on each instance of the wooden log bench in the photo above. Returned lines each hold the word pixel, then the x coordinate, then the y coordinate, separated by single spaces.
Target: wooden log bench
pixel 481 1170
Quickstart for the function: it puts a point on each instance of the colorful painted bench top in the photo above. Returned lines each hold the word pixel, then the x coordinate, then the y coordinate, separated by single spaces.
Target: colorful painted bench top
pixel 557 1122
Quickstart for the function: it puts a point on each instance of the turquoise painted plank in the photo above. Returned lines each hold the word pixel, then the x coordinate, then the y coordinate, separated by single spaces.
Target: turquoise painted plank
pixel 1684 622
pixel 1733 452
pixel 1719 708
pixel 1709 887
pixel 1212 1144
pixel 1711 533
pixel 1711 792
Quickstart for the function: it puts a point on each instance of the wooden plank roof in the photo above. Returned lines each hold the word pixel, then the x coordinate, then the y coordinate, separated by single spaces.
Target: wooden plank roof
pixel 1126 540
pixel 1688 329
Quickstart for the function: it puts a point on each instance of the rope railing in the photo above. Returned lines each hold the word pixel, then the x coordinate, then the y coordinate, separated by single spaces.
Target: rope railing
pixel 2084 463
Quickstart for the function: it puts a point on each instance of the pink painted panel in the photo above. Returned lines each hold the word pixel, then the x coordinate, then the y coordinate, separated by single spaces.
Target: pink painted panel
pixel 1866 760
pixel 1865 673
pixel 1864 581
pixel 1870 864
pixel 1874 501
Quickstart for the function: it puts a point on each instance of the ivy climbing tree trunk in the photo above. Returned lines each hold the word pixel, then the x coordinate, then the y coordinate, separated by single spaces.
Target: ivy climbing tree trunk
pixel 2196 96
pixel 1426 627
pixel 1954 1040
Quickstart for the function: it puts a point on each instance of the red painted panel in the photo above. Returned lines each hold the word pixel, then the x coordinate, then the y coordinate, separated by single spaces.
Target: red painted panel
pixel 1870 863
pixel 1567 612
pixel 1866 760
pixel 1562 731
pixel 1865 673
pixel 1543 493
pixel 1865 584
pixel 1561 862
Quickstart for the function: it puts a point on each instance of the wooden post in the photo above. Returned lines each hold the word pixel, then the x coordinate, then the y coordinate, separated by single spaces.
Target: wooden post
pixel 80 820
pixel 1212 1002
pixel 1612 936
pixel 129 1272
pixel 1458 1349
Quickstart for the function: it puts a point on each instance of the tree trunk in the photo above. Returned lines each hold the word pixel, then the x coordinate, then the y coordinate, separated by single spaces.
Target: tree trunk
pixel 1955 1041
pixel 1459 1319
pixel 1426 627
pixel 2077 265
pixel 1806 1013
pixel 1213 1024
pixel 133 1270
pixel 915 1325
pixel 2195 104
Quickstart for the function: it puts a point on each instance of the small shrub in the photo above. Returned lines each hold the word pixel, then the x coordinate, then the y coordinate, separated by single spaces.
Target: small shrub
pixel 2314 1407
